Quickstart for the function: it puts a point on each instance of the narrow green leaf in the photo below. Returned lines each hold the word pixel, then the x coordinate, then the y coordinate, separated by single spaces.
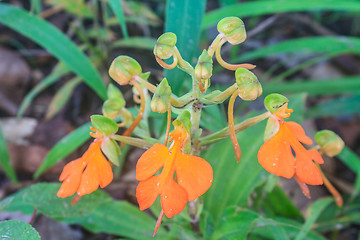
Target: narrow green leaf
pixel 313 213
pixel 64 147
pixel 227 2
pixel 135 42
pixel 61 97
pixel 15 229
pixel 5 159
pixel 350 159
pixel 77 7
pixel 54 76
pixel 258 8
pixel 184 19
pixel 119 12
pixel 272 228
pixel 49 37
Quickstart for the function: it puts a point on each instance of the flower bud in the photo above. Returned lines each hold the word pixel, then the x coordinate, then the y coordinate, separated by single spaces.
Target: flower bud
pixel 112 107
pixel 274 101
pixel 111 150
pixel 123 69
pixel 114 92
pixel 161 99
pixel 248 84
pixel 233 28
pixel 165 44
pixel 104 125
pixel 330 143
pixel 204 66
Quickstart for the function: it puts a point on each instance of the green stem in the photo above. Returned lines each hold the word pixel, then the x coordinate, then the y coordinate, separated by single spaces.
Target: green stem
pixel 135 141
pixel 219 98
pixel 224 133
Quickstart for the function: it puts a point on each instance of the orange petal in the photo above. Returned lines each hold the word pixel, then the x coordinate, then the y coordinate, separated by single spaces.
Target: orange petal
pixel 104 171
pixel 72 167
pixel 89 179
pixel 70 185
pixel 315 155
pixel 151 161
pixel 147 192
pixel 276 157
pixel 173 198
pixel 306 170
pixel 194 174
pixel 298 132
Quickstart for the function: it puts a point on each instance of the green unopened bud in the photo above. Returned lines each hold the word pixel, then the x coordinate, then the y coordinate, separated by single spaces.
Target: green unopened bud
pixel 248 84
pixel 233 28
pixel 204 66
pixel 161 99
pixel 111 150
pixel 184 120
pixel 104 125
pixel 330 143
pixel 123 69
pixel 112 107
pixel 165 44
pixel 274 101
pixel 114 92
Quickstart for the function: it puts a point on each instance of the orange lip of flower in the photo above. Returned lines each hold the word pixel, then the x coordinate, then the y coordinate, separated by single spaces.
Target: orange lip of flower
pixel 277 158
pixel 97 172
pixel 194 176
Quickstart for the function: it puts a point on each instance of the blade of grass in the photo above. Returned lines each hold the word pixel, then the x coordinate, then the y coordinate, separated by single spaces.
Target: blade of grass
pixel 135 42
pixel 49 37
pixel 119 12
pixel 64 147
pixel 258 8
pixel 5 159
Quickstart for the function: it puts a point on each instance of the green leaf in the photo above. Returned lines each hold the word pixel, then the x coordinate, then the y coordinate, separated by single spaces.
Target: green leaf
pixel 313 213
pixel 119 12
pixel 5 159
pixel 338 106
pixel 350 159
pixel 305 46
pixel 49 37
pixel 77 7
pixel 59 71
pixel 61 97
pixel 135 42
pixel 258 8
pixel 17 230
pixel 64 147
pixel 184 19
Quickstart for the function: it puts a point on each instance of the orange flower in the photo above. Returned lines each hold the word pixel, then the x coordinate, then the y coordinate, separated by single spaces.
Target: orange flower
pixel 85 174
pixel 194 176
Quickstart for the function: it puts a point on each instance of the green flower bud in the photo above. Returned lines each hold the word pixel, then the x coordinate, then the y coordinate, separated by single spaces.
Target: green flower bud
pixel 248 84
pixel 161 99
pixel 114 92
pixel 104 125
pixel 112 107
pixel 165 44
pixel 184 119
pixel 274 101
pixel 330 143
pixel 204 66
pixel 111 150
pixel 233 28
pixel 123 69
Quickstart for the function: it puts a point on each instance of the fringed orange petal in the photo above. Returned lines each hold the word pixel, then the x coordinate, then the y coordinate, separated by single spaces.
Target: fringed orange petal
pixel 276 157
pixel 151 161
pixel 147 192
pixel 89 179
pixel 315 155
pixel 70 185
pixel 306 170
pixel 104 171
pixel 194 174
pixel 298 132
pixel 173 198
pixel 72 167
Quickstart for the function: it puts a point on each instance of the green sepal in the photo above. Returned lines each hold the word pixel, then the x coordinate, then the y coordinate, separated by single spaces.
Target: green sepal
pixel 248 84
pixel 165 44
pixel 274 101
pixel 145 75
pixel 272 127
pixel 233 28
pixel 204 66
pixel 111 150
pixel 161 98
pixel 112 107
pixel 104 125
pixel 123 69
pixel 184 119
pixel 330 143
pixel 114 92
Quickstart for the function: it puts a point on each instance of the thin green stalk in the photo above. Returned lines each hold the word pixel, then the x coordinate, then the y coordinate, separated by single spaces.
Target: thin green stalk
pixel 135 141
